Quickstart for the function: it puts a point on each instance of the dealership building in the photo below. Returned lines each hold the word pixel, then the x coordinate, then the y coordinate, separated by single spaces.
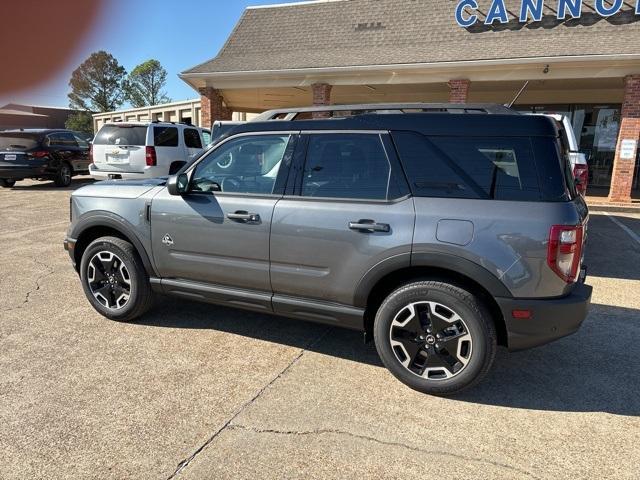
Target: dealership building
pixel 580 57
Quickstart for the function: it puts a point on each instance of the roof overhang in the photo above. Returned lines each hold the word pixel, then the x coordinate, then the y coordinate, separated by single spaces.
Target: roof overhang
pixel 534 68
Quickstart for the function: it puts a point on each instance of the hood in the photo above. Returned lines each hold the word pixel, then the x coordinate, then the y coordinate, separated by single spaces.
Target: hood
pixel 120 188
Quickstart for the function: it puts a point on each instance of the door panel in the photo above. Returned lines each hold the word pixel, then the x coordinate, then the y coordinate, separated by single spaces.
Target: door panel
pixel 204 245
pixel 314 253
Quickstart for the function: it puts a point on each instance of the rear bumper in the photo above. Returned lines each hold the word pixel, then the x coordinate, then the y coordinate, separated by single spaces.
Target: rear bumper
pixel 18 172
pixel 105 174
pixel 550 320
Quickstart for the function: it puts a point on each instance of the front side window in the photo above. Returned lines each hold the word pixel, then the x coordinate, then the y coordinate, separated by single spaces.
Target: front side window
pixel 346 166
pixel 500 168
pixel 165 136
pixel 248 164
pixel 192 138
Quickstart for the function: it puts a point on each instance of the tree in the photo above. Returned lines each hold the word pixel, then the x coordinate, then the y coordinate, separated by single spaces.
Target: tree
pixel 97 84
pixel 80 122
pixel 145 84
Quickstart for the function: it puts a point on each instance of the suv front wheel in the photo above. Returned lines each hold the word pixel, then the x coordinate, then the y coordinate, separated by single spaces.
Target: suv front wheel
pixel 115 280
pixel 435 337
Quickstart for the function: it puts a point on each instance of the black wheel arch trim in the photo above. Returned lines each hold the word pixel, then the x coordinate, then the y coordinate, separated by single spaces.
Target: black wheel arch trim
pixel 110 220
pixel 444 261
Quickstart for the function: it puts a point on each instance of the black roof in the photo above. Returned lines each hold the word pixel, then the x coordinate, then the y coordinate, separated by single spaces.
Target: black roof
pixel 424 123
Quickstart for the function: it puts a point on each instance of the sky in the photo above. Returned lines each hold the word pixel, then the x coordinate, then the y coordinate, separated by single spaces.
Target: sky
pixel 178 33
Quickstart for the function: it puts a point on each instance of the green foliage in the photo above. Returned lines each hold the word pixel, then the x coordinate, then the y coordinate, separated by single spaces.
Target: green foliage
pixel 80 122
pixel 144 85
pixel 97 84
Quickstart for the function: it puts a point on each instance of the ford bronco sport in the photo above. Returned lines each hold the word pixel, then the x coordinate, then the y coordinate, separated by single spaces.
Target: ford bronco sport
pixel 441 231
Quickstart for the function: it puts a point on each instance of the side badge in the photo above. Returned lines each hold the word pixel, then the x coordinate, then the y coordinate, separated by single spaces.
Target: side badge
pixel 167 240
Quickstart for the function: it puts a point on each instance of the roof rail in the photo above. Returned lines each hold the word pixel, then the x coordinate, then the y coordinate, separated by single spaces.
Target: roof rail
pixel 386 108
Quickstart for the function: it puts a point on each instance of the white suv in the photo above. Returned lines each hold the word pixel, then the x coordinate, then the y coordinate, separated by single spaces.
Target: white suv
pixel 144 149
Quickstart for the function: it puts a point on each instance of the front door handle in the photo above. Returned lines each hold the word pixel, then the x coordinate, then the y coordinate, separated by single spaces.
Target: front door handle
pixel 243 216
pixel 367 225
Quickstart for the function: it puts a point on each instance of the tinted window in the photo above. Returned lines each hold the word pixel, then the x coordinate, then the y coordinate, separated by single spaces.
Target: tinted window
pixel 165 136
pixel 346 166
pixel 18 141
pixel 244 165
pixel 192 138
pixel 121 135
pixel 501 168
pixel 81 142
pixel 66 139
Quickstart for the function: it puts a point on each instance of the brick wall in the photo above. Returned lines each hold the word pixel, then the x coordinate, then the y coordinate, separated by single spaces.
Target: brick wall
pixel 622 177
pixel 212 108
pixel 321 96
pixel 459 90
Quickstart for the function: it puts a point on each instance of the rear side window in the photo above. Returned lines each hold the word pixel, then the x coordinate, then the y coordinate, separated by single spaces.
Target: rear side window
pixel 346 166
pixel 165 136
pixel 192 138
pixel 62 139
pixel 18 141
pixel 500 168
pixel 121 135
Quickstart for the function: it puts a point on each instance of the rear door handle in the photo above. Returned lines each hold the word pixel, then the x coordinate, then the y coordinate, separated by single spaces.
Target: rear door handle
pixel 243 216
pixel 367 225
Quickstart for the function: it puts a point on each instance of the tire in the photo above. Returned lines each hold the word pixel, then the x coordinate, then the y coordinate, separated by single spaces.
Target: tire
pixel 104 287
pixel 63 175
pixel 405 330
pixel 6 183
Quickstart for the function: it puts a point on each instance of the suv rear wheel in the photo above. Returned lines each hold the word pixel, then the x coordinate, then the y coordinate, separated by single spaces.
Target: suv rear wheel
pixel 5 183
pixel 114 279
pixel 435 337
pixel 63 175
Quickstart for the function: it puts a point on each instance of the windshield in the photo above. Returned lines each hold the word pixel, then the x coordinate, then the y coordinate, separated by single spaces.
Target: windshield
pixel 18 140
pixel 121 135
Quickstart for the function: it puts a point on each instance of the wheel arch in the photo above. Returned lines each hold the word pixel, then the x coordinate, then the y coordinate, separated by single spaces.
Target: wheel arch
pixel 383 279
pixel 95 227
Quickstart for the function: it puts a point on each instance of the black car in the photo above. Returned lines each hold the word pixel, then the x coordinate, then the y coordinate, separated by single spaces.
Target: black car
pixel 42 154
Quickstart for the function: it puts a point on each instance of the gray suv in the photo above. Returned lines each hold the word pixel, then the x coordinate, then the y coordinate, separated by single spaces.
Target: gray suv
pixel 440 231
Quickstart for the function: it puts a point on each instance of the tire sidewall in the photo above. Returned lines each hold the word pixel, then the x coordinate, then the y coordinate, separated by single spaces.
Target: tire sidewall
pixel 59 179
pixel 134 273
pixel 483 344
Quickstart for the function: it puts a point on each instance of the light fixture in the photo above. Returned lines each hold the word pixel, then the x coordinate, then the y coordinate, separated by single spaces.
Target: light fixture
pixel 546 69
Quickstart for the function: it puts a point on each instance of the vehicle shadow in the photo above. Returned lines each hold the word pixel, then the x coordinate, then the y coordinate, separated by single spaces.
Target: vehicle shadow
pixel 621 261
pixel 594 370
pixel 47 185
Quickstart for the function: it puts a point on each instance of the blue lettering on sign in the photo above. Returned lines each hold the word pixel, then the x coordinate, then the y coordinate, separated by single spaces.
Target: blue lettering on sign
pixel 466 11
pixel 574 7
pixel 497 11
pixel 471 19
pixel 534 7
pixel 605 10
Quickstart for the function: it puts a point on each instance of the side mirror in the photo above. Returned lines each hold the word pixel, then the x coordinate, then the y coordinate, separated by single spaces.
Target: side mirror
pixel 178 184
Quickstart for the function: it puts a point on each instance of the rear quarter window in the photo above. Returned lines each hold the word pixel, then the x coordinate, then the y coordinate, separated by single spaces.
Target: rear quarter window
pixel 121 135
pixel 165 136
pixel 500 168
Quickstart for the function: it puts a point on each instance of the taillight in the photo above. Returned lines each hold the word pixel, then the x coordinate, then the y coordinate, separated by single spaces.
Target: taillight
pixel 565 251
pixel 581 174
pixel 38 154
pixel 151 158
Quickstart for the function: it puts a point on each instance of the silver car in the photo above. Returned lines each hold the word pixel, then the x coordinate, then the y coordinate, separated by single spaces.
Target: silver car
pixel 440 231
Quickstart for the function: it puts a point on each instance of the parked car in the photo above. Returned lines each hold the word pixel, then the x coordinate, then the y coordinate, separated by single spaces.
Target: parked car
pixel 430 232
pixel 41 154
pixel 144 149
pixel 222 127
pixel 579 164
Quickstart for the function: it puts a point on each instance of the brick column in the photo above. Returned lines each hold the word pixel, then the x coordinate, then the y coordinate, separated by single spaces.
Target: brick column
pixel 321 96
pixel 211 107
pixel 459 90
pixel 622 177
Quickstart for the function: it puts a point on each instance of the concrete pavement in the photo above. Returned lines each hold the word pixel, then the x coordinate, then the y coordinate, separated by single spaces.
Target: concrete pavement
pixel 198 391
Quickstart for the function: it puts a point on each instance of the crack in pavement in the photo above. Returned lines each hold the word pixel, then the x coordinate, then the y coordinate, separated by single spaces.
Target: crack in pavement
pixel 185 463
pixel 27 297
pixel 331 431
